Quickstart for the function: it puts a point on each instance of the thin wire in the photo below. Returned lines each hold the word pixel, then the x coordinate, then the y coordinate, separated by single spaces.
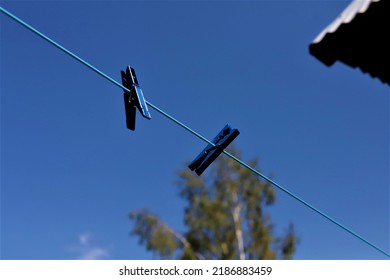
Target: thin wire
pixel 62 48
pixel 307 204
pixel 194 132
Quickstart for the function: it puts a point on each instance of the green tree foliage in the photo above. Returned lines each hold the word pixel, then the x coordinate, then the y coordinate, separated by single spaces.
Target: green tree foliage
pixel 224 218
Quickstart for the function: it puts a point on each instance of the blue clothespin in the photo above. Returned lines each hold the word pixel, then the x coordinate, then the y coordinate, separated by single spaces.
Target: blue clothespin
pixel 210 153
pixel 133 99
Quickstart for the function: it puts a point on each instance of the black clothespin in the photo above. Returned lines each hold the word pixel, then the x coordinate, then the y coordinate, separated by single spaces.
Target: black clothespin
pixel 133 99
pixel 210 153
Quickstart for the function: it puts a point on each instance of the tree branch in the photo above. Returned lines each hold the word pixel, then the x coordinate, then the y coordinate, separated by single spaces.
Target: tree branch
pixel 237 226
pixel 182 239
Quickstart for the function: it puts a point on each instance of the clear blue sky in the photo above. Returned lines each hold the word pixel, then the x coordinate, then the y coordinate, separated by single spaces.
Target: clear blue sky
pixel 71 171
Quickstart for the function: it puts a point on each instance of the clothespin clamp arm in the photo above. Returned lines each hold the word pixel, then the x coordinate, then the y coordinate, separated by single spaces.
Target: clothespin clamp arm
pixel 134 99
pixel 211 152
